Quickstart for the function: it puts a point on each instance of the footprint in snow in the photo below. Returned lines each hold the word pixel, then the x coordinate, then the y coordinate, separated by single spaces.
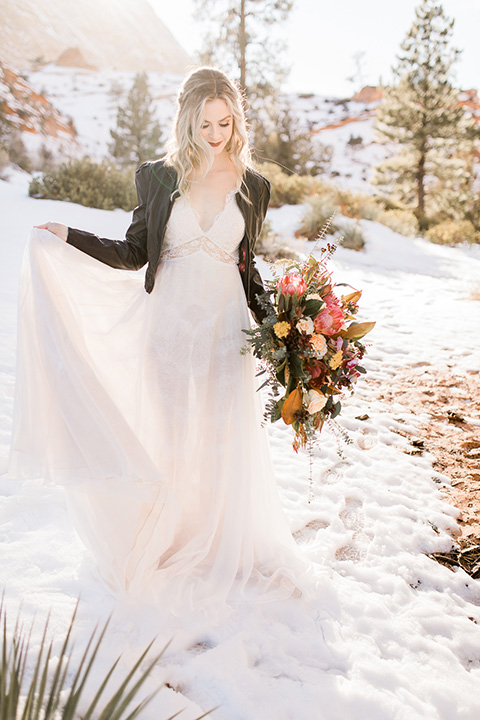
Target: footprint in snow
pixel 353 519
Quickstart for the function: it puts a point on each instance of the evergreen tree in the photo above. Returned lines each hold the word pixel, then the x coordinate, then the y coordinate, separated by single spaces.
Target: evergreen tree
pixel 240 41
pixel 5 125
pixel 283 141
pixel 12 146
pixel 138 135
pixel 432 171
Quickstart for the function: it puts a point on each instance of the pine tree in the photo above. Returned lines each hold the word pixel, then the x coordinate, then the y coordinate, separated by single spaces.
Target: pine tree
pixel 432 171
pixel 138 135
pixel 12 147
pixel 240 41
pixel 283 141
pixel 5 125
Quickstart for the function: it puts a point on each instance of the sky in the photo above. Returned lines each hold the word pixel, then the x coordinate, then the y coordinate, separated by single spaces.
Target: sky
pixel 324 36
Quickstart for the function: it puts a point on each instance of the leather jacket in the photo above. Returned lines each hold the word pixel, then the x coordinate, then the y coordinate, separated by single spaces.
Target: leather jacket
pixel 156 185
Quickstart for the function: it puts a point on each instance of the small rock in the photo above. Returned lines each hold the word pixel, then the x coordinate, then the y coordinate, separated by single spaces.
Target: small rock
pixel 417 442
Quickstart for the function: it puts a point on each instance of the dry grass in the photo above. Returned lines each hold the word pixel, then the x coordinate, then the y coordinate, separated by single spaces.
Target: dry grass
pixel 451 435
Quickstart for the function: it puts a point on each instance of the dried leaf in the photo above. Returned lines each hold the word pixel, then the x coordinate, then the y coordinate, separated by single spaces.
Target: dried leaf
pixel 357 330
pixel 292 405
pixel 352 297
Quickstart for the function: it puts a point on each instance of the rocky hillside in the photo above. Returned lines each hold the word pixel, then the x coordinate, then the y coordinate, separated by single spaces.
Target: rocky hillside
pixel 34 116
pixel 122 35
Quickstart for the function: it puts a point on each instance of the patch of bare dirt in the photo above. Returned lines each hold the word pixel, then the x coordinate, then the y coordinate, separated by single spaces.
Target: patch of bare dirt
pixel 451 435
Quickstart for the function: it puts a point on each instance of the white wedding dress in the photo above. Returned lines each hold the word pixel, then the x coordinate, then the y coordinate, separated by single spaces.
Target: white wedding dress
pixel 144 409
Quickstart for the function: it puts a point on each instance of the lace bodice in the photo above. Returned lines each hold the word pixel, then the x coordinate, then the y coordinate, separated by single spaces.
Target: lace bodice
pixel 184 236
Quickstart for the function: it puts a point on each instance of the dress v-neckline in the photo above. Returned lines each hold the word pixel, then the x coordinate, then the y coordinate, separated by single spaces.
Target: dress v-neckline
pixel 228 197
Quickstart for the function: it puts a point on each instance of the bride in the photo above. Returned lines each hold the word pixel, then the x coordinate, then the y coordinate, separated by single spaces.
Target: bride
pixel 140 403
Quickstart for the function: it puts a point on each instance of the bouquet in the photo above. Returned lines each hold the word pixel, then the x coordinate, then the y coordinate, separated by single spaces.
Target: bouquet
pixel 309 345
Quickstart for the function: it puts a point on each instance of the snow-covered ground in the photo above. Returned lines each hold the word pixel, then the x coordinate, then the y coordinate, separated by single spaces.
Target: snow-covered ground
pixel 394 635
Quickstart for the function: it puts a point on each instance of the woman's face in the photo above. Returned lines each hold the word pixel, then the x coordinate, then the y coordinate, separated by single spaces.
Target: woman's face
pixel 217 126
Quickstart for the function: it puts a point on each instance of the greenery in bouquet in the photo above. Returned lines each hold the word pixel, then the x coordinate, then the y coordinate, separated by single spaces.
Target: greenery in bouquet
pixel 309 344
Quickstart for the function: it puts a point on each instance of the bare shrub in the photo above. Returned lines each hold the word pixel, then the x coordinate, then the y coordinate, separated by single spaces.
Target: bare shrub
pixel 453 232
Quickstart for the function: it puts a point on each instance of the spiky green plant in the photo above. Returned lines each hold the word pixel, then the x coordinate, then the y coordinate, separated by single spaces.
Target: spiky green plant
pixel 41 696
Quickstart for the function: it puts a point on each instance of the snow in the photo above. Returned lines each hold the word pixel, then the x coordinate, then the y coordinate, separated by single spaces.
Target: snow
pixel 353 166
pixel 394 635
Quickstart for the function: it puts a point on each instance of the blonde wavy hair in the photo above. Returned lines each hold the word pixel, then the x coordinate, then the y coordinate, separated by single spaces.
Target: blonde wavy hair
pixel 186 149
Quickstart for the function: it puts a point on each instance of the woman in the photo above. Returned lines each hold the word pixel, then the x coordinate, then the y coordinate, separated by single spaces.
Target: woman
pixel 150 413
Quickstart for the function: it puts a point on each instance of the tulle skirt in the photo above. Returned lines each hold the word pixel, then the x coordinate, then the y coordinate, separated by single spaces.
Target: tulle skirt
pixel 144 409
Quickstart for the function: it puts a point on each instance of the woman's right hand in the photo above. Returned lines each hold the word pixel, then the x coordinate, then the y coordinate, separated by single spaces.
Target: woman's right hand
pixel 56 228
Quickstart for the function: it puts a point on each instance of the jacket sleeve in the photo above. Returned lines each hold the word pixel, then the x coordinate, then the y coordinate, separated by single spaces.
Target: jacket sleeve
pixel 127 254
pixel 256 285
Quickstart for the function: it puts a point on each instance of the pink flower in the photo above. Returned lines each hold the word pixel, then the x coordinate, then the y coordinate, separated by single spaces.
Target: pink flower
pixel 331 319
pixel 291 284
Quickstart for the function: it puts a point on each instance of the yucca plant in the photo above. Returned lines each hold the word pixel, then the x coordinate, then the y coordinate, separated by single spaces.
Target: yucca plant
pixel 43 693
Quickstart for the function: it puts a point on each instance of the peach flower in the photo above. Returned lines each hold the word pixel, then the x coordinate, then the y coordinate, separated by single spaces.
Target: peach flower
pixel 319 344
pixel 316 401
pixel 305 325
